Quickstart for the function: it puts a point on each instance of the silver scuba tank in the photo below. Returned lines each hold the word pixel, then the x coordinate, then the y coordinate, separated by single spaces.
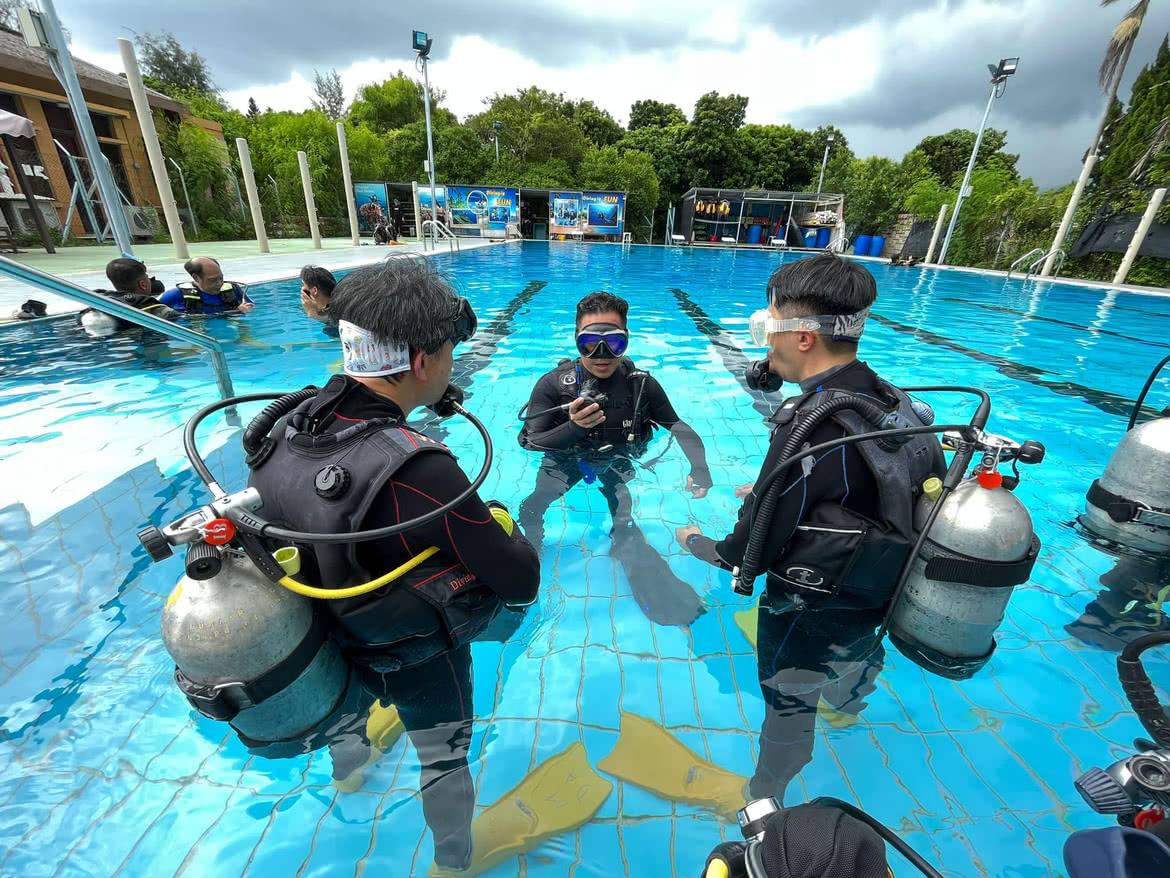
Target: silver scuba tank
pixel 981 546
pixel 1130 503
pixel 98 324
pixel 251 653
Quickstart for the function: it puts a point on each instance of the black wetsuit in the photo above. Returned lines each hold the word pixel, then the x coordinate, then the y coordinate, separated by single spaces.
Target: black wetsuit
pixel 803 656
pixel 604 450
pixel 434 699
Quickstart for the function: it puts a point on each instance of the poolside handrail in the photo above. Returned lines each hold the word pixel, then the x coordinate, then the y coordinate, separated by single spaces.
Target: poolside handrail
pixel 1057 263
pixel 1031 254
pixel 69 290
pixel 444 233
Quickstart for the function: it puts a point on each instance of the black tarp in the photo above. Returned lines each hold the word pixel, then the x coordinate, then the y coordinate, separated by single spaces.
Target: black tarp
pixel 1113 234
pixel 919 240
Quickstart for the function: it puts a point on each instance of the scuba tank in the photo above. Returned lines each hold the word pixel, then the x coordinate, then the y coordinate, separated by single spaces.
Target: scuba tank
pixel 1130 503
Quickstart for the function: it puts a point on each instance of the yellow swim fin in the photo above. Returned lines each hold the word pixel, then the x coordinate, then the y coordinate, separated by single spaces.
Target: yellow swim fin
pixel 383 728
pixel 559 795
pixel 650 757
pixel 748 621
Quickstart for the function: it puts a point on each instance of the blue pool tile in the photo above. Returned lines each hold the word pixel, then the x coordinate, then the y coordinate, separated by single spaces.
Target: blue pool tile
pixel 632 630
pixel 288 842
pixel 600 622
pixel 603 856
pixel 174 831
pixel 345 835
pixel 645 842
pixel 679 700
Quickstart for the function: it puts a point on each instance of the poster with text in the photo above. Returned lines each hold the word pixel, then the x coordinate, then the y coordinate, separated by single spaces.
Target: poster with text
pixel 482 207
pixel 372 206
pixel 602 213
pixel 424 203
pixel 564 213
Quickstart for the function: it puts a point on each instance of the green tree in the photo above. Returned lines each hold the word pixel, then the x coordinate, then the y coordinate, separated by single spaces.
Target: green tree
pixel 667 150
pixel 329 96
pixel 631 172
pixel 874 195
pixel 948 154
pixel 461 155
pixel 171 66
pixel 538 127
pixel 395 103
pixel 599 126
pixel 655 114
pixel 1149 105
pixel 253 110
pixel 775 157
pixel 714 150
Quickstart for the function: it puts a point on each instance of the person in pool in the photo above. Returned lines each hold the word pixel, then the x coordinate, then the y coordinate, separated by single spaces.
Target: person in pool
pixel 133 286
pixel 206 292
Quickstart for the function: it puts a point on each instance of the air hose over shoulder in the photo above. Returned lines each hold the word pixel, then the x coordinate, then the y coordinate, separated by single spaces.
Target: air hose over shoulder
pixel 1137 406
pixel 256 435
pixel 1140 691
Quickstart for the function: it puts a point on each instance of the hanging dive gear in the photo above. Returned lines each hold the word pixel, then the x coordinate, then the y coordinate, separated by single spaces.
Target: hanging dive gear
pixel 1130 503
pixel 947 600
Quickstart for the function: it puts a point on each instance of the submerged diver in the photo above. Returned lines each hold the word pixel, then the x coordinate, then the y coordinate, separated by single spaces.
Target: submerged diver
pixel 207 292
pixel 133 286
pixel 592 416
pixel 346 460
pixel 811 645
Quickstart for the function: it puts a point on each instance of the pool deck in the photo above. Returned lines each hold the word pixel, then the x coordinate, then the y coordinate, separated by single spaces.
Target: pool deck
pixel 240 260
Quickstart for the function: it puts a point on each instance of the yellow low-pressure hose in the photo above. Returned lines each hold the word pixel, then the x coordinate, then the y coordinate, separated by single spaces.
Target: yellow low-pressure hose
pixel 717 869
pixel 289 558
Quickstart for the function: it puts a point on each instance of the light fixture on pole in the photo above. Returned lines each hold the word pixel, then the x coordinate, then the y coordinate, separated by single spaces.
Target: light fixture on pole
pixel 497 125
pixel 422 45
pixel 999 76
pixel 824 161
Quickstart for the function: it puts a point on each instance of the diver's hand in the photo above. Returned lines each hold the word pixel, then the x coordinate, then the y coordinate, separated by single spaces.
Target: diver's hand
pixel 310 306
pixel 586 416
pixel 682 533
pixel 245 307
pixel 697 491
pixel 744 491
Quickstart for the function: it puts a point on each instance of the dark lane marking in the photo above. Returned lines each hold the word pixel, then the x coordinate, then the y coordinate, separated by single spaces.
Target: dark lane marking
pixel 726 346
pixel 1004 310
pixel 1110 403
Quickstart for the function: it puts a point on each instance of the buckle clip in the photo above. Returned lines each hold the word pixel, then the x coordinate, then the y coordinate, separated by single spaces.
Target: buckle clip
pixel 212 700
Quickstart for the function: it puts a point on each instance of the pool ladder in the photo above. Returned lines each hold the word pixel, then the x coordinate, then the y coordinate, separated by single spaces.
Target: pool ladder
pixel 444 233
pixel 1035 259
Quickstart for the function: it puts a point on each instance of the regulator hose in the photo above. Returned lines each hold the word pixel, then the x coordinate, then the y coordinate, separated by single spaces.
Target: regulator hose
pixel 766 502
pixel 261 425
pixel 1137 406
pixel 881 829
pixel 1140 691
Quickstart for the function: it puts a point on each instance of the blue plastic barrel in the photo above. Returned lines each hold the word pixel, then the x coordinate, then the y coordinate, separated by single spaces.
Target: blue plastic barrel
pixel 862 244
pixel 879 244
pixel 823 236
pixel 809 236
pixel 754 234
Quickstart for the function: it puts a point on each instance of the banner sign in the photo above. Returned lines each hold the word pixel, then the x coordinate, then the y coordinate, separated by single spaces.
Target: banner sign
pixel 482 207
pixel 424 202
pixel 602 213
pixel 564 213
pixel 372 207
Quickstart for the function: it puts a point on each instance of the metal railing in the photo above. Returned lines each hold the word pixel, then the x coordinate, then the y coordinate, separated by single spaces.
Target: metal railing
pixel 444 233
pixel 61 287
pixel 1057 263
pixel 1029 257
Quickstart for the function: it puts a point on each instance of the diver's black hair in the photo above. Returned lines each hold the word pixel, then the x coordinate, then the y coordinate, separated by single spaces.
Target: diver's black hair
pixel 124 273
pixel 321 278
pixel 821 284
pixel 401 300
pixel 601 302
pixel 192 267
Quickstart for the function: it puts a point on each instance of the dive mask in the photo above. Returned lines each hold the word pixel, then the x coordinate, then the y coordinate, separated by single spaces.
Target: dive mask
pixel 602 341
pixel 465 322
pixel 842 327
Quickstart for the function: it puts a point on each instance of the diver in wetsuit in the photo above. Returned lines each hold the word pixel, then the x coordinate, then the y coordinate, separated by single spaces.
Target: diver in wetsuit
pixel 133 286
pixel 207 292
pixel 591 416
pixel 346 460
pixel 818 619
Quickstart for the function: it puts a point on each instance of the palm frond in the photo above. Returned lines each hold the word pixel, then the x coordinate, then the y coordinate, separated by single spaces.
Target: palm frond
pixel 1157 143
pixel 1122 39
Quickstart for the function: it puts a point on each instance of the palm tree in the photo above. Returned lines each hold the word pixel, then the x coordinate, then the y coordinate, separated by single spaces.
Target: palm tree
pixel 1117 56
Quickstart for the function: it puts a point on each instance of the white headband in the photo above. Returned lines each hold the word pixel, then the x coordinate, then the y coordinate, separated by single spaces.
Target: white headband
pixel 367 356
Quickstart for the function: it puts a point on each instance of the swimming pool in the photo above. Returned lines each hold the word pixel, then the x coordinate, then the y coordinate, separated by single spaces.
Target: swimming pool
pixel 105 770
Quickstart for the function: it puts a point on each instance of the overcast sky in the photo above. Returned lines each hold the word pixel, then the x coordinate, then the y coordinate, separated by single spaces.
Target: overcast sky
pixel 887 72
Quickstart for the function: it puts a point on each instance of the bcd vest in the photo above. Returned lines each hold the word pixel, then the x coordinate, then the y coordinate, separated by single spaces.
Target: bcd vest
pixel 841 559
pixel 299 484
pixel 229 295
pixel 141 301
pixel 625 413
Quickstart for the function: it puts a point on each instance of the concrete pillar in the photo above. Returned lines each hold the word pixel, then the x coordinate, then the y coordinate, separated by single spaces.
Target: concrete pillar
pixel 1069 213
pixel 153 151
pixel 1139 237
pixel 253 195
pixel 354 232
pixel 310 204
pixel 942 213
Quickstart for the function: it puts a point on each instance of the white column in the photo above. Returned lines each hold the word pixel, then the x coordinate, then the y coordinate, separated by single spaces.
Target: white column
pixel 942 213
pixel 253 195
pixel 1069 213
pixel 354 234
pixel 153 151
pixel 310 204
pixel 1139 237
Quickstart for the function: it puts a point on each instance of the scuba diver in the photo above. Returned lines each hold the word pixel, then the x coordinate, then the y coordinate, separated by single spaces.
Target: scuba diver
pixel 207 292
pixel 592 417
pixel 317 285
pixel 132 286
pixel 818 628
pixel 348 490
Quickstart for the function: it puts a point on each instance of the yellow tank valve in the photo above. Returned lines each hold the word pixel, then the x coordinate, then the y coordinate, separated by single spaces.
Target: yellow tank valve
pixel 504 519
pixel 289 559
pixel 932 487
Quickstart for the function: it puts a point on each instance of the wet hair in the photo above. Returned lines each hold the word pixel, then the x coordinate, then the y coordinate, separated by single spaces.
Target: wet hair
pixel 194 268
pixel 602 302
pixel 402 300
pixel 823 284
pixel 321 278
pixel 125 274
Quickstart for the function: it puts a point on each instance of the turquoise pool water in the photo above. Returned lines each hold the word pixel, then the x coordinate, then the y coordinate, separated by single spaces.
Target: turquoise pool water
pixel 105 770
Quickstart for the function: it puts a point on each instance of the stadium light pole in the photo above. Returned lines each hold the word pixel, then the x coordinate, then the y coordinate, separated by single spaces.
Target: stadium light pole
pixel 999 76
pixel 422 45
pixel 824 161
pixel 496 126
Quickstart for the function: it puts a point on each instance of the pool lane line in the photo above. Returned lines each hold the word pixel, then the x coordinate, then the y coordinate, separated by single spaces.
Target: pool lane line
pixel 1004 310
pixel 726 346
pixel 481 351
pixel 1110 403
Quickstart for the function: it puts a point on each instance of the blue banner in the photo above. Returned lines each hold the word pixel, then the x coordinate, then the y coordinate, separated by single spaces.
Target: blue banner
pixel 602 213
pixel 372 206
pixel 564 213
pixel 483 206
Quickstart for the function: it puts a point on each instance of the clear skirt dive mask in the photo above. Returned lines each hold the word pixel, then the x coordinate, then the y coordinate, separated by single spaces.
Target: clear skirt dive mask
pixel 842 327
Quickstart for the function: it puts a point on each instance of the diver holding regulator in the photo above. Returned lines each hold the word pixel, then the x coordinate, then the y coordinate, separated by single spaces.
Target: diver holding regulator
pixel 289 573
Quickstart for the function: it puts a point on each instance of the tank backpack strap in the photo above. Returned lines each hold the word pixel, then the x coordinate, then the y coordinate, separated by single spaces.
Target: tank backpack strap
pixel 192 299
